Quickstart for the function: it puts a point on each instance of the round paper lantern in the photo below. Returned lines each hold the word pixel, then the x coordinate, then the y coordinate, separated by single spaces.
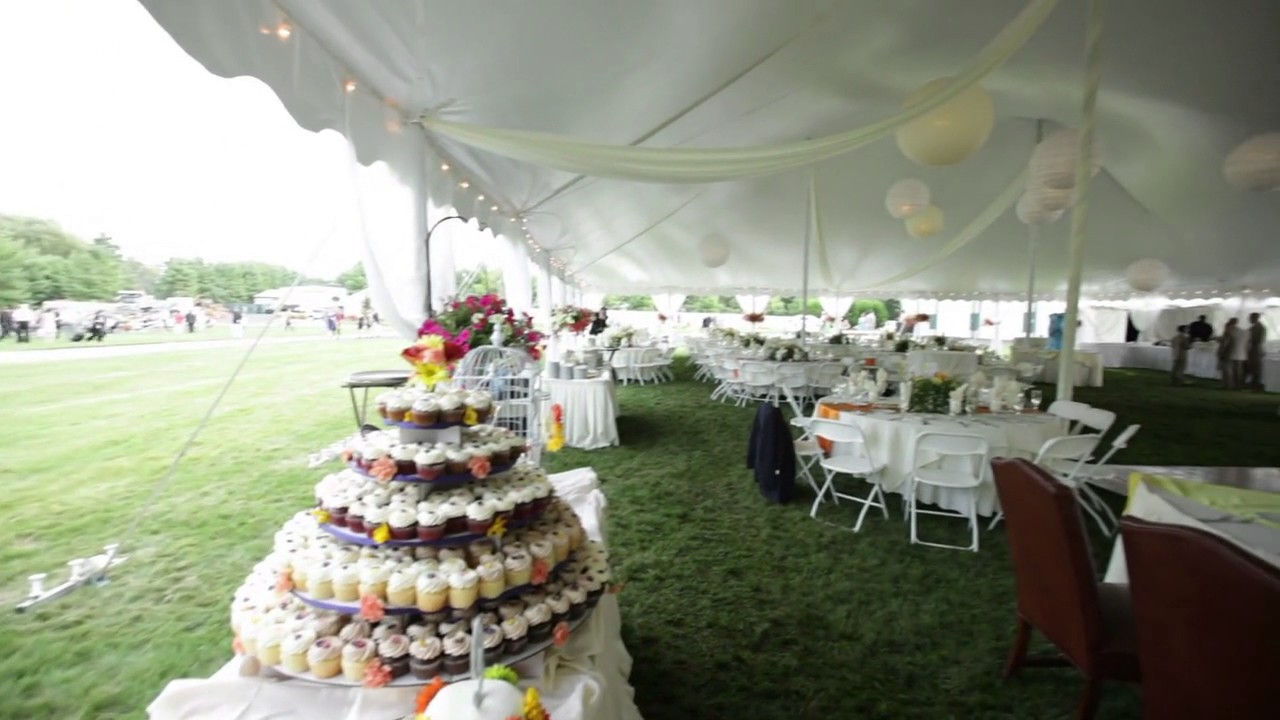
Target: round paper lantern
pixel 1031 213
pixel 1053 162
pixel 1255 163
pixel 951 132
pixel 906 198
pixel 1147 274
pixel 1049 200
pixel 713 250
pixel 927 224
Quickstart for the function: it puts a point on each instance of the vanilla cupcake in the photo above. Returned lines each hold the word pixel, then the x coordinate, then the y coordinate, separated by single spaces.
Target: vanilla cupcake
pixel 543 550
pixel 355 658
pixel 432 591
pixel 538 615
pixel 429 462
pixel 357 630
pixel 492 641
pixel 463 588
pixel 492 580
pixel 452 408
pixel 457 652
pixel 479 517
pixel 384 401
pixel 394 654
pixel 402 587
pixel 425 657
pixel 559 545
pixel 452 564
pixel 373 581
pixel 477 549
pixel 425 411
pixel 268 646
pixel 320 580
pixel 515 632
pixel 404 523
pixel 325 657
pixel 398 406
pixel 293 650
pixel 328 622
pixel 481 402
pixel 518 567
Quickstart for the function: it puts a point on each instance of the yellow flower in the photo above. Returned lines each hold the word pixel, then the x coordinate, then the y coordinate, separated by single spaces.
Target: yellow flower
pixel 470 417
pixel 431 374
pixel 942 376
pixel 382 533
pixel 498 528
pixel 435 342
pixel 556 442
pixel 322 516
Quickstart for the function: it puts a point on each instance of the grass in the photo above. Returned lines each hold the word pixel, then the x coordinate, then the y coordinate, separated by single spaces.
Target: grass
pixel 154 336
pixel 732 608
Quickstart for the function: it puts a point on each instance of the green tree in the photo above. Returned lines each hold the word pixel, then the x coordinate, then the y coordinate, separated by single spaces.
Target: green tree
pixel 711 304
pixel 55 264
pixel 481 281
pixel 354 280
pixel 629 302
pixel 137 276
pixel 181 278
pixel 884 309
pixel 14 289
pixel 792 306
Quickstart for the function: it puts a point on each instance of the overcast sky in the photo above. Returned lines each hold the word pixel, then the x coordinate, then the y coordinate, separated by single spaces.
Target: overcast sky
pixel 107 126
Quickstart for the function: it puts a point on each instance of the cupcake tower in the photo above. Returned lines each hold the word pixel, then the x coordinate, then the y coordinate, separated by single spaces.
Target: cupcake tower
pixel 414 407
pixel 443 457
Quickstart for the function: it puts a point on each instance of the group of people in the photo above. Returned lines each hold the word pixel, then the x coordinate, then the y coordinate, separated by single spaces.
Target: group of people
pixel 1240 351
pixel 17 322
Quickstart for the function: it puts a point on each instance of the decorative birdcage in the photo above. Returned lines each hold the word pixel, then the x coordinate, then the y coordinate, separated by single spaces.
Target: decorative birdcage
pixel 511 377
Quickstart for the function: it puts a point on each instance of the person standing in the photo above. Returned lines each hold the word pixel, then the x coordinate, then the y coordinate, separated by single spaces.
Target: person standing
pixel 1200 330
pixel 600 322
pixel 191 320
pixel 1257 341
pixel 22 318
pixel 1225 342
pixel 1180 344
pixel 6 323
pixel 237 324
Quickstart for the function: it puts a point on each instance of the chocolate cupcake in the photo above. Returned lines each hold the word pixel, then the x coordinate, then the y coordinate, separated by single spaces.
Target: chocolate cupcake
pixel 426 657
pixel 394 653
pixel 494 643
pixel 515 633
pixel 538 616
pixel 457 653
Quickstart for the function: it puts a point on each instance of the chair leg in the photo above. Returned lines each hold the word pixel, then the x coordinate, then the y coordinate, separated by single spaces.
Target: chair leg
pixel 1018 653
pixel 1089 695
pixel 973 518
pixel 999 516
pixel 822 492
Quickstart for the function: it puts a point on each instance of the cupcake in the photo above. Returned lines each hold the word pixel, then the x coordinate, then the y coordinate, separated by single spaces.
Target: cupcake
pixel 404 524
pixel 515 447
pixel 543 550
pixel 592 585
pixel 402 587
pixel 417 631
pixel 383 401
pixel 320 580
pixel 384 630
pixel 478 548
pixel 559 545
pixel 493 644
pixel 481 402
pixel 325 657
pixel 504 506
pixel 492 580
pixel 394 653
pixel 559 606
pixel 518 567
pixel 355 658
pixel 538 615
pixel 425 411
pixel 510 608
pixel 455 516
pixel 515 633
pixel 452 564
pixel 463 588
pixel 404 455
pixel 425 656
pixel 457 652
pixel 429 463
pixel 346 579
pixel 451 408
pixel 355 517
pixel 373 581
pixel 398 407
pixel 293 650
pixel 430 525
pixel 374 517
pixel 328 622
pixel 479 517
pixel 450 627
pixel 268 645
pixel 456 460
pixel 542 496
pixel 432 592
pixel 577 598
pixel 499 454
pixel 357 630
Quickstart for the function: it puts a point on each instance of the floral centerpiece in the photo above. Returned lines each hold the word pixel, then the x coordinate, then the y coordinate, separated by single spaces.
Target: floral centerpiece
pixel 624 337
pixel 786 352
pixel 572 319
pixel 754 317
pixel 932 394
pixel 726 334
pixel 750 340
pixel 475 321
pixel 434 358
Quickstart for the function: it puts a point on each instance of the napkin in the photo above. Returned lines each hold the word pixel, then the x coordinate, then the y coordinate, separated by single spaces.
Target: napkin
pixel 904 395
pixel 1013 394
pixel 957 395
pixel 978 380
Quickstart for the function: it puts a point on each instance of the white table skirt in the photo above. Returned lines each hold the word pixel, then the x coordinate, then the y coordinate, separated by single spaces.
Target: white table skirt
pixel 584 680
pixel 954 363
pixel 1202 362
pixel 1089 366
pixel 891 440
pixel 1156 506
pixel 590 411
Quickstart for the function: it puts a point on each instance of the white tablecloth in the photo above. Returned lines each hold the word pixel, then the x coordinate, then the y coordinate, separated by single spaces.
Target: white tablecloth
pixel 1158 506
pixel 1202 362
pixel 584 680
pixel 954 363
pixel 590 411
pixel 1089 366
pixel 891 436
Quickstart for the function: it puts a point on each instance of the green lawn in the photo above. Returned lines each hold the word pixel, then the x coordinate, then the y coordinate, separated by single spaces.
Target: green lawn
pixel 151 337
pixel 732 608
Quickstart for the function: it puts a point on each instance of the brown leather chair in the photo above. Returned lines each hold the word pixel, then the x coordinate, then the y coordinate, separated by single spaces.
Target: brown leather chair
pixel 1208 624
pixel 1058 590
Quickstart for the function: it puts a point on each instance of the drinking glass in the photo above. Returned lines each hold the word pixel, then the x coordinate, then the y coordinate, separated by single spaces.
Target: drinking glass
pixel 1036 396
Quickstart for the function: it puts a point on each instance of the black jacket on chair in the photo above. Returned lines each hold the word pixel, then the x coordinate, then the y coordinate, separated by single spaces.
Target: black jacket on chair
pixel 772 454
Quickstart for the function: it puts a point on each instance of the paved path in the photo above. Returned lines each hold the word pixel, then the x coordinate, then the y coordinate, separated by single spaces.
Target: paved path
pixel 97 352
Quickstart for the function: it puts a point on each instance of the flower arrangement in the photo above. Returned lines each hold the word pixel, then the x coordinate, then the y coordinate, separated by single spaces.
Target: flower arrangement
pixel 754 317
pixel 473 322
pixel 434 358
pixel 932 394
pixel 750 340
pixel 725 333
pixel 787 352
pixel 572 319
pixel 624 337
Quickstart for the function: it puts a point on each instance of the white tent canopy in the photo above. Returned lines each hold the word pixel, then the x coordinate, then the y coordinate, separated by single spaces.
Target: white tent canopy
pixel 1183 83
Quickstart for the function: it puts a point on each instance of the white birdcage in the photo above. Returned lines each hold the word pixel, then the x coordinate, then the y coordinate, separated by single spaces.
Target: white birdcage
pixel 512 378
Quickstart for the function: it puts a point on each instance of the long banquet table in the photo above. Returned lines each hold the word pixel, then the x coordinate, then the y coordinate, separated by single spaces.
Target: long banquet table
pixel 951 362
pixel 891 439
pixel 584 680
pixel 1202 360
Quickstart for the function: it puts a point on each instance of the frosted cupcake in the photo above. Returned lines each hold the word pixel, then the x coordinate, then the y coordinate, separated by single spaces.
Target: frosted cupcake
pixel 503 507
pixel 499 454
pixel 371 453
pixel 543 550
pixel 384 401
pixel 479 517
pixel 492 580
pixel 429 463
pixel 425 657
pixel 482 403
pixel 451 408
pixel 425 411
pixel 518 568
pixel 515 447
pixel 538 616
pixel 325 657
pixel 355 658
pixel 404 523
pixel 394 653
pixel 346 582
pixel 398 406
pixel 493 644
pixel 373 581
pixel 432 592
pixel 268 646
pixel 358 630
pixel 293 650
pixel 559 545
pixel 477 549
pixel 577 598
pixel 515 633
pixel 374 517
pixel 404 455
pixel 463 589
pixel 457 652
pixel 456 460
pixel 559 606
pixel 402 587
pixel 430 525
pixel 320 580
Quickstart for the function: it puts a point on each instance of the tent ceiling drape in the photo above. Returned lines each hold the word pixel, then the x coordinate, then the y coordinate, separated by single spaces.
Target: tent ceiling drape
pixel 1184 82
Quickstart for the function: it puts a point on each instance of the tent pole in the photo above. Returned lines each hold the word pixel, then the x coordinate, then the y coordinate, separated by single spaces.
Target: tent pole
pixel 1084 156
pixel 804 292
pixel 544 308
pixel 1029 319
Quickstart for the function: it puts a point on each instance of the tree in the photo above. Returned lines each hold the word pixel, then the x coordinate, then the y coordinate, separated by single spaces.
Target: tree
pixel 54 264
pixel 136 276
pixel 181 278
pixel 629 302
pixel 354 280
pixel 481 281
pixel 13 277
pixel 887 309
pixel 791 306
pixel 711 304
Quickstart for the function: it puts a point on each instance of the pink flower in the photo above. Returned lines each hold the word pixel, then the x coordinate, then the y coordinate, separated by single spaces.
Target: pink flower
pixel 284 583
pixel 479 467
pixel 384 469
pixel 372 609
pixel 376 674
pixel 560 634
pixel 540 572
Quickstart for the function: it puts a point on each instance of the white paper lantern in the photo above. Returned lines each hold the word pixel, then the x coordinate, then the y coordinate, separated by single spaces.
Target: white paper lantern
pixel 926 224
pixel 1030 212
pixel 1049 200
pixel 1255 163
pixel 1053 162
pixel 713 250
pixel 906 198
pixel 1146 275
pixel 951 132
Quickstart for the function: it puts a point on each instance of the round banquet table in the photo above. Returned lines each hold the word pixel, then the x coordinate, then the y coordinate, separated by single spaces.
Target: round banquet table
pixel 952 362
pixel 590 411
pixel 891 440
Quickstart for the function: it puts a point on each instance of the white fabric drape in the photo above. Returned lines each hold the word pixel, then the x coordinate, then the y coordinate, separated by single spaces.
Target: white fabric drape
pixel 837 307
pixel 1102 325
pixel 753 303
pixel 682 165
pixel 516 282
pixel 592 299
pixel 669 303
pixel 557 291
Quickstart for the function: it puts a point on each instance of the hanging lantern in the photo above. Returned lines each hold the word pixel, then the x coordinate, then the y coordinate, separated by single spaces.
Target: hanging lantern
pixel 951 132
pixel 1255 163
pixel 1053 162
pixel 906 198
pixel 1147 274
pixel 1049 200
pixel 926 224
pixel 1030 213
pixel 713 250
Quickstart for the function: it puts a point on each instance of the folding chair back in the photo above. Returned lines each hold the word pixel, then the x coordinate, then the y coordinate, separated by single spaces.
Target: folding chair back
pixel 1065 454
pixel 1097 419
pixel 1071 411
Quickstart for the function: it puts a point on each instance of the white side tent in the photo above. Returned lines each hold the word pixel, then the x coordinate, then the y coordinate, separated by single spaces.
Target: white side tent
pixel 628 112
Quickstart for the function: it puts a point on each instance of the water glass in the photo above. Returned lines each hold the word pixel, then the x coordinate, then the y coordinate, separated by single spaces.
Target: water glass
pixel 1036 396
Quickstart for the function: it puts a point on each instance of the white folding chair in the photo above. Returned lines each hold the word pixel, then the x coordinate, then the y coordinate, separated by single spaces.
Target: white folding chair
pixel 808 452
pixel 1063 456
pixel 1071 411
pixel 825 378
pixel 1085 471
pixel 933 449
pixel 856 462
pixel 758 382
pixel 1097 419
pixel 648 365
pixel 792 379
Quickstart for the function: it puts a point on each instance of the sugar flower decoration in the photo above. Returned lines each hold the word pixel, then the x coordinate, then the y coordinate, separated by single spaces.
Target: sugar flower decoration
pixel 237 646
pixel 284 583
pixel 533 709
pixel 502 672
pixel 471 417
pixel 372 609
pixel 382 533
pixel 498 528
pixel 479 467
pixel 322 515
pixel 428 694
pixel 376 674
pixel 540 571
pixel 560 635
pixel 383 470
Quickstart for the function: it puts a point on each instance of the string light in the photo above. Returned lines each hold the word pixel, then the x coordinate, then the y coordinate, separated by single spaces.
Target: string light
pixel 480 198
pixel 284 30
pixel 444 167
pixel 464 184
pixel 349 86
pixel 493 208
